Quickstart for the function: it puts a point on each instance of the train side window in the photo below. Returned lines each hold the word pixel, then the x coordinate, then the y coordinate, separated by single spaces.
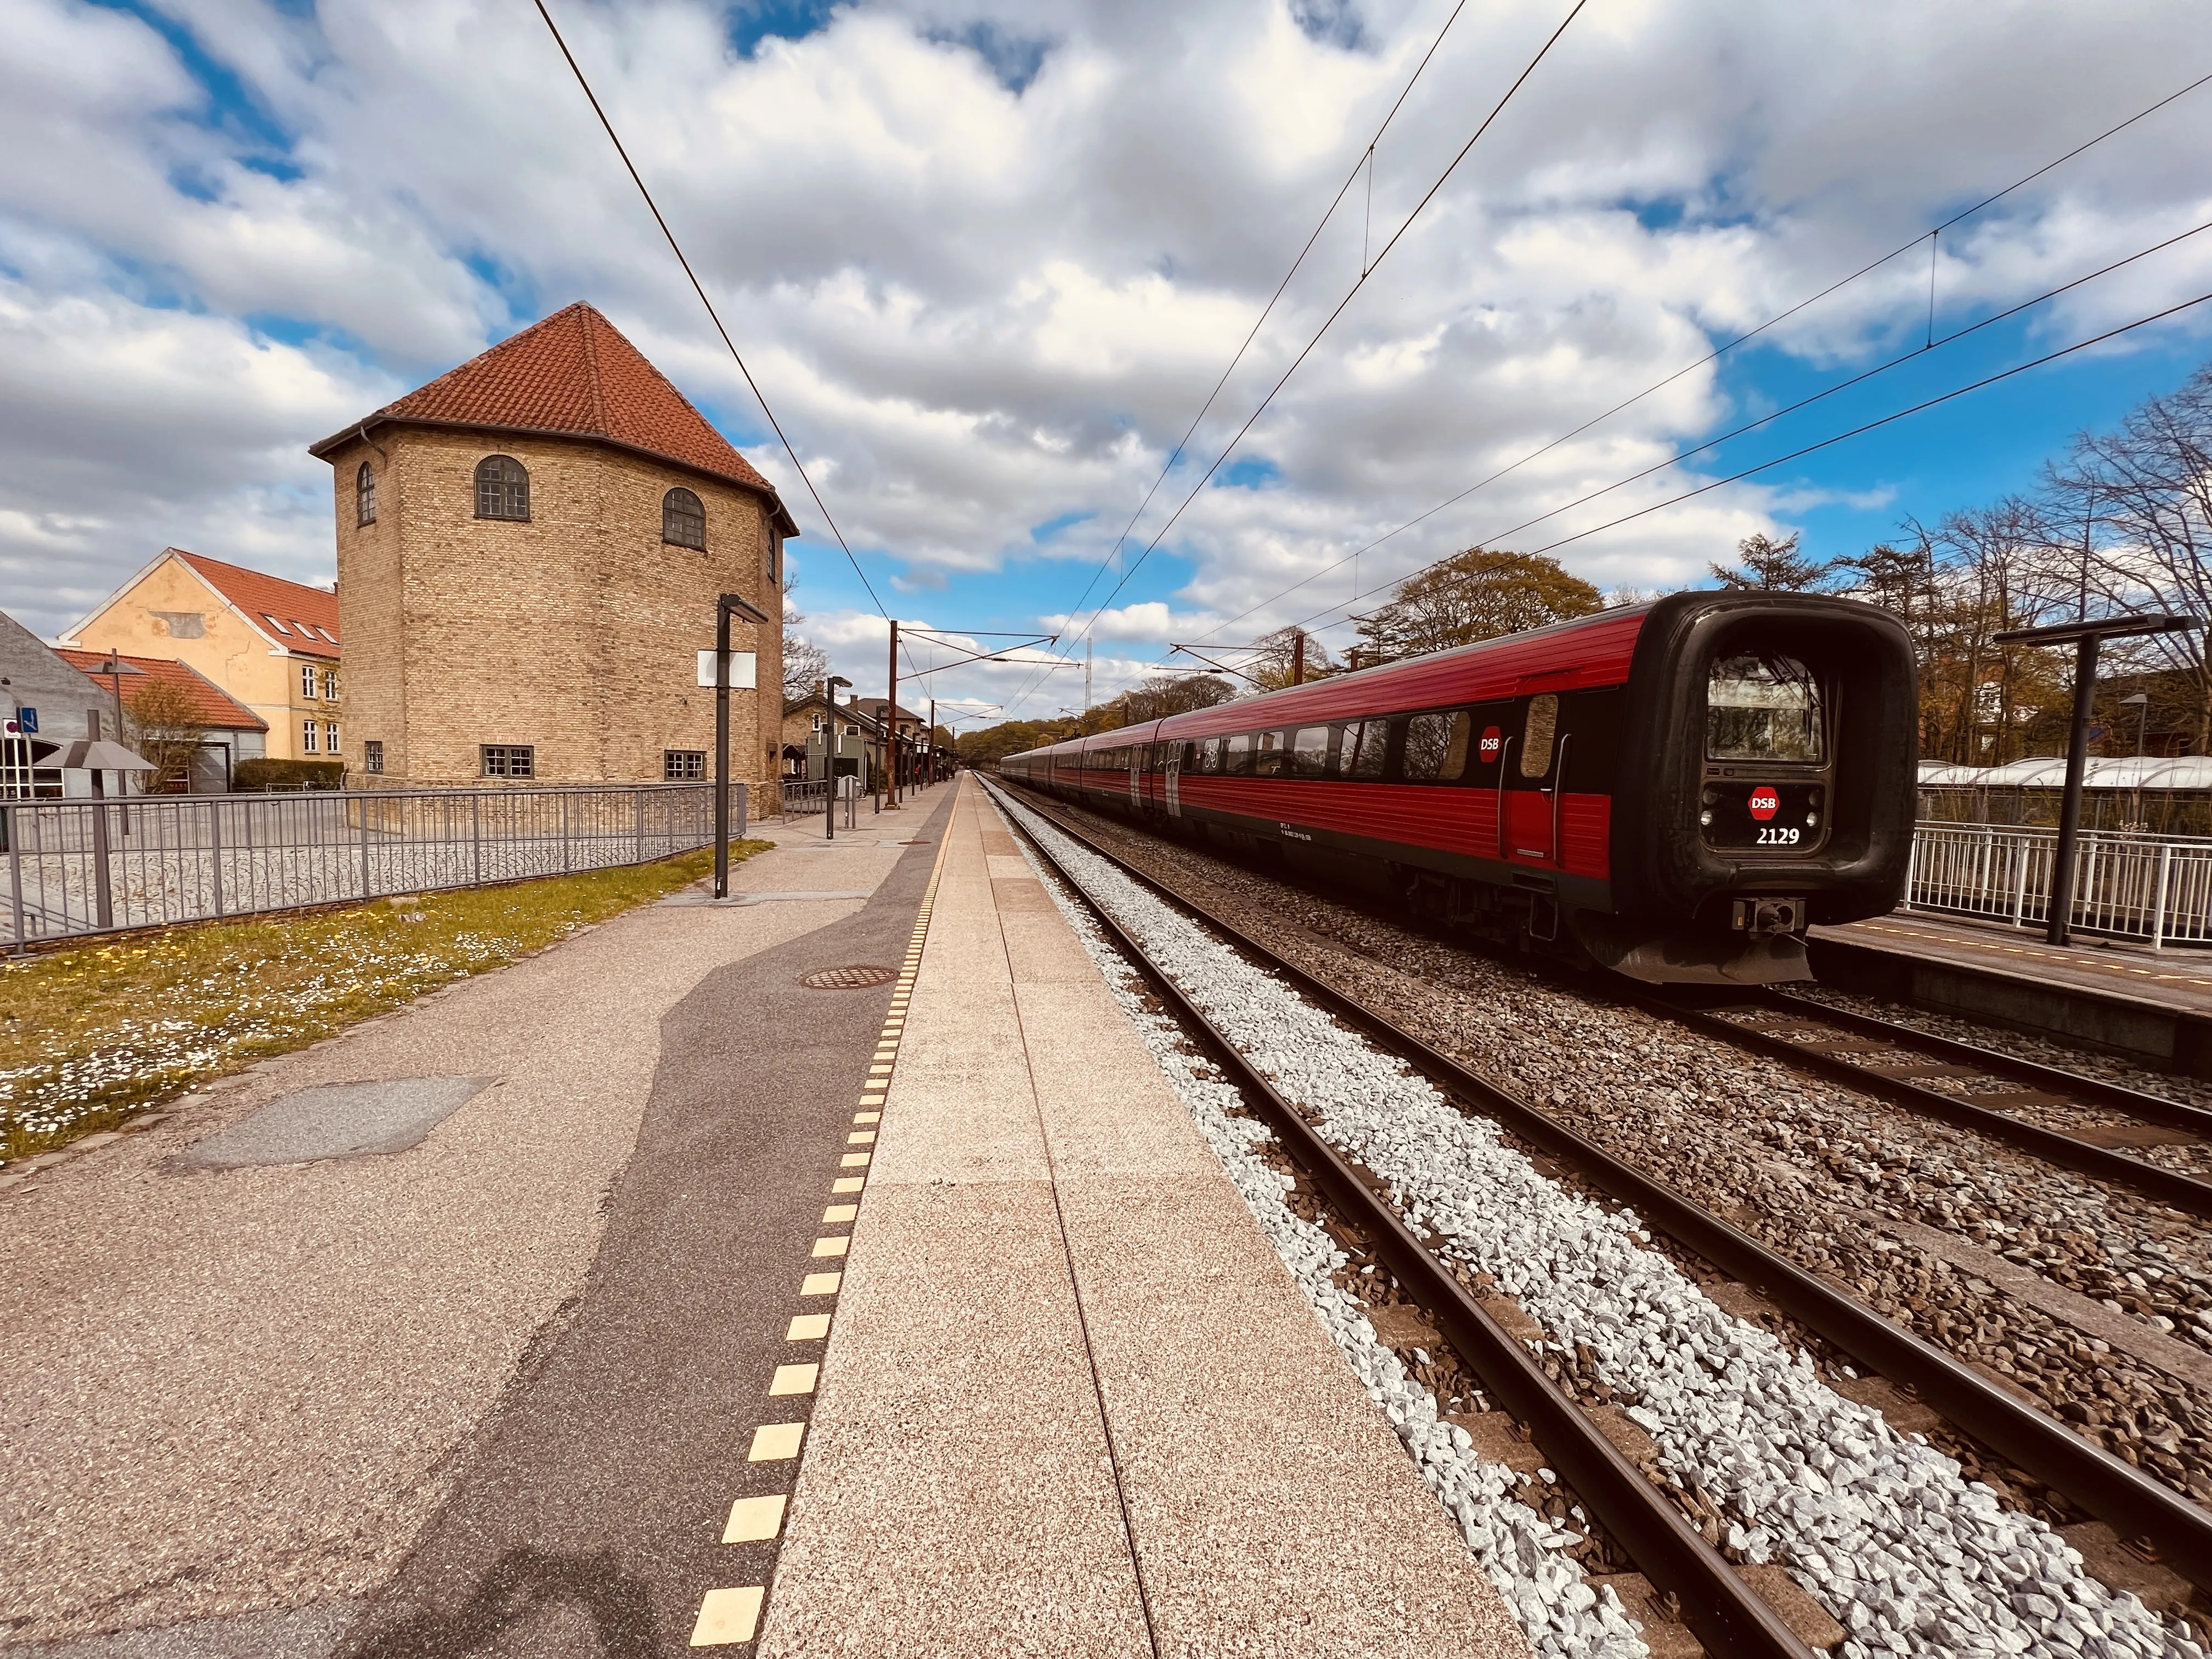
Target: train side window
pixel 1236 759
pixel 1268 754
pixel 1436 747
pixel 1189 757
pixel 1209 754
pixel 1593 720
pixel 1366 746
pixel 1538 735
pixel 1309 752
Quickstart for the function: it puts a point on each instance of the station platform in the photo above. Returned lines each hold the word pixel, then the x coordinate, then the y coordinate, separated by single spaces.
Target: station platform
pixel 2155 1007
pixel 1072 1402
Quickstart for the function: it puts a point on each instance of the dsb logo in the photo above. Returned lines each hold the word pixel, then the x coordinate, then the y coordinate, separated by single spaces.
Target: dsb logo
pixel 1491 742
pixel 1766 802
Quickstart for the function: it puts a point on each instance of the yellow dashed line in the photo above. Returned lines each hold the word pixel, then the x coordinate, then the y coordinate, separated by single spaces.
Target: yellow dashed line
pixel 794 1379
pixel 807 1327
pixel 848 1184
pixel 840 1213
pixel 776 1443
pixel 727 1616
pixel 831 1246
pixel 821 1283
pixel 754 1519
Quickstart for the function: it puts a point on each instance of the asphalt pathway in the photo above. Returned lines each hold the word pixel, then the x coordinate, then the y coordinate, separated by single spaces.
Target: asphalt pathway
pixel 589 1515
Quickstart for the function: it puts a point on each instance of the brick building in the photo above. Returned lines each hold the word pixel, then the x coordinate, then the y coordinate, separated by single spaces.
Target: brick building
pixel 529 551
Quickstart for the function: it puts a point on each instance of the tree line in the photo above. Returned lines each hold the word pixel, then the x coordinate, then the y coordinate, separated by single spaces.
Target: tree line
pixel 2122 521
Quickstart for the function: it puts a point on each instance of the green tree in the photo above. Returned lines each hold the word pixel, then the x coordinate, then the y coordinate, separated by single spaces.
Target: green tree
pixel 1772 567
pixel 1475 595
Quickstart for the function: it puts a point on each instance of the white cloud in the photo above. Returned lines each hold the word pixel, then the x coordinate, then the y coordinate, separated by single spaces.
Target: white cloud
pixel 985 308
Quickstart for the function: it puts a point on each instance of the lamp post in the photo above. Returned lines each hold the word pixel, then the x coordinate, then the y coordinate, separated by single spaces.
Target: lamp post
pixel 2085 637
pixel 829 756
pixel 723 607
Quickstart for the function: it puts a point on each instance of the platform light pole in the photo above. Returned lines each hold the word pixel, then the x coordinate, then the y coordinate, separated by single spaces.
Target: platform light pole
pixel 829 756
pixel 725 606
pixel 2085 637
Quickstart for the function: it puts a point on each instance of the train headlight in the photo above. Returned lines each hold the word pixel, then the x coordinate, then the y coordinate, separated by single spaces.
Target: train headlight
pixel 1705 817
pixel 1812 818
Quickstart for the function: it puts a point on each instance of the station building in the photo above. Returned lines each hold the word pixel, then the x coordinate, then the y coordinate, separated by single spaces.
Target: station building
pixel 529 550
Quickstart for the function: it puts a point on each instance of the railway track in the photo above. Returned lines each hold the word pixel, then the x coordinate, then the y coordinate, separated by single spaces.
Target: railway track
pixel 1714 1600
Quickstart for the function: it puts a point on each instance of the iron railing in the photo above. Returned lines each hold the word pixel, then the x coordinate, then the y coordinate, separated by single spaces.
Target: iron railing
pixel 84 866
pixel 2156 889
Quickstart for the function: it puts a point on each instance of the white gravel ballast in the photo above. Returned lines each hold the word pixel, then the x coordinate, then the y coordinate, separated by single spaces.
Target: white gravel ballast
pixel 1881 1529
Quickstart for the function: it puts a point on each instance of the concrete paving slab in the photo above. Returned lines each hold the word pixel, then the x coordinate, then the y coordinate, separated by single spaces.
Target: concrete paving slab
pixel 1051 1273
pixel 336 1120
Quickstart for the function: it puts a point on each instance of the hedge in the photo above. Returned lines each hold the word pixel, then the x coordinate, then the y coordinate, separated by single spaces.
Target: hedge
pixel 288 775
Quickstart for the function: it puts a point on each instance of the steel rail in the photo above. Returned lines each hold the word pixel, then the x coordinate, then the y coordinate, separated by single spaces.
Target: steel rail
pixel 1717 1603
pixel 2134 1503
pixel 2151 1109
pixel 2183 1192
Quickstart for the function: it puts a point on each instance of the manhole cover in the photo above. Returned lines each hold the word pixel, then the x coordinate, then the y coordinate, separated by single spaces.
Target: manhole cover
pixel 847 979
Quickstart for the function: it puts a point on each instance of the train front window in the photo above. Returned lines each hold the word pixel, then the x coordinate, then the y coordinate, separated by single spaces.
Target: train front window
pixel 1761 706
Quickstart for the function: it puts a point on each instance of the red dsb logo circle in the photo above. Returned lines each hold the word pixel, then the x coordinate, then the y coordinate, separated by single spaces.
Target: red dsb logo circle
pixel 1766 802
pixel 1491 742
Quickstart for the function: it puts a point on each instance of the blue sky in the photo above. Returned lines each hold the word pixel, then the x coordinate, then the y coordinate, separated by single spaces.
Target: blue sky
pixel 986 260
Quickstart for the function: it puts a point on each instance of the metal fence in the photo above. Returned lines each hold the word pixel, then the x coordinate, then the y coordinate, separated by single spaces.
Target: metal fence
pixel 2154 889
pixel 88 867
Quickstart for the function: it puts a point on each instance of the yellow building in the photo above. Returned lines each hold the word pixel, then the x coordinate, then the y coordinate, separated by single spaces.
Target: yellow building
pixel 272 644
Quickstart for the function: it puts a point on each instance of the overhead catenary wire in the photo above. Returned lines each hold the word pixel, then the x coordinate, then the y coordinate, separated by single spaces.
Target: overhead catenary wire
pixel 1366 161
pixel 1712 355
pixel 1351 293
pixel 714 316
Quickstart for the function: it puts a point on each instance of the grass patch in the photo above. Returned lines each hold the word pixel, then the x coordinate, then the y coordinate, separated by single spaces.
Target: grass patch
pixel 88 1036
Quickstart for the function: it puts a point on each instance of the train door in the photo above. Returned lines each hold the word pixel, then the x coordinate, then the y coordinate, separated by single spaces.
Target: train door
pixel 1136 752
pixel 1171 779
pixel 1529 785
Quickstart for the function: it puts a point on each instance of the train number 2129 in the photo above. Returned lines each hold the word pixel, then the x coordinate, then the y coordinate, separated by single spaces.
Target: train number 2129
pixel 1775 835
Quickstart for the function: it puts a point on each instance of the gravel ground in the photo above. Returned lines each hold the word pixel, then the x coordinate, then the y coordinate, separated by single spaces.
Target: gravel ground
pixel 1809 1168
pixel 1886 1532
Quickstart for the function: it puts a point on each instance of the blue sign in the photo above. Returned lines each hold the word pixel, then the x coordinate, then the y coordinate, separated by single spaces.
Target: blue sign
pixel 28 718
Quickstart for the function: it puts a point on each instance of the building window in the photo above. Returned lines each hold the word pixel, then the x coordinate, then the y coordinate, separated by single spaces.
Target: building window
pixel 775 552
pixel 372 755
pixel 502 489
pixel 684 765
pixel 683 520
pixel 330 736
pixel 307 681
pixel 330 685
pixel 364 494
pixel 510 760
pixel 309 732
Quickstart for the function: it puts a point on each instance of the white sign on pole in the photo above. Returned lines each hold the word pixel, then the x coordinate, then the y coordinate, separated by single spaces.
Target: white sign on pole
pixel 741 669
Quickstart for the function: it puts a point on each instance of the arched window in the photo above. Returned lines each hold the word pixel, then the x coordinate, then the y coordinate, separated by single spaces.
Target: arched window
pixel 364 494
pixel 502 489
pixel 683 520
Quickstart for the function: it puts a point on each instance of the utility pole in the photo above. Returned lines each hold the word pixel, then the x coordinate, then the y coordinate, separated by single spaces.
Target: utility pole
pixel 1298 657
pixel 724 605
pixel 890 728
pixel 1086 682
pixel 933 740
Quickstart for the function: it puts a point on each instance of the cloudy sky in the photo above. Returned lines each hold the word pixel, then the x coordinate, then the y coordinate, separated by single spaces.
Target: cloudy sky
pixel 986 260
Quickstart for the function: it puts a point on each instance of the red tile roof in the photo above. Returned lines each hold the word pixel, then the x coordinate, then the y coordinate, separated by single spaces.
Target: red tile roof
pixel 213 705
pixel 299 609
pixel 575 375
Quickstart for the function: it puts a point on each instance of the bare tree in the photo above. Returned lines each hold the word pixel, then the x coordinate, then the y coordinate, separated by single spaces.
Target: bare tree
pixel 166 727
pixel 805 665
pixel 2141 496
pixel 1278 655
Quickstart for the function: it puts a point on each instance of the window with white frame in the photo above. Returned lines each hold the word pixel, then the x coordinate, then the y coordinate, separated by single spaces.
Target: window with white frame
pixel 310 733
pixel 372 755
pixel 330 685
pixel 682 765
pixel 307 681
pixel 330 736
pixel 510 760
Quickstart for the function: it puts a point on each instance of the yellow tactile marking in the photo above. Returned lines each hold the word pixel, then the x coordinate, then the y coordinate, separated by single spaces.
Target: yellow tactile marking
pixel 807 1327
pixel 862 1138
pixel 872 1100
pixel 868 1117
pixel 776 1443
pixel 853 1161
pixel 754 1519
pixel 837 1213
pixel 848 1184
pixel 821 1283
pixel 831 1246
pixel 794 1379
pixel 727 1616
